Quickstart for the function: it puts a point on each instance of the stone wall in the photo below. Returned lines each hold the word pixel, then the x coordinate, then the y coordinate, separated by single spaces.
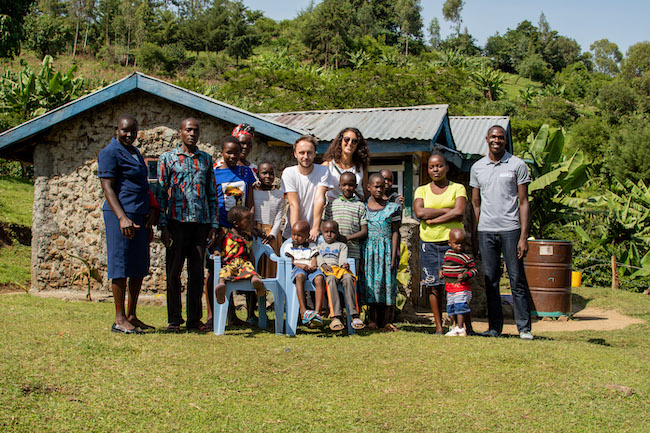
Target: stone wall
pixel 67 217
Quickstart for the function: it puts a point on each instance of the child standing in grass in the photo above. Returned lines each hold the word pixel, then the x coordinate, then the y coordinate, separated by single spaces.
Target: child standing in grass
pixel 303 256
pixel 457 268
pixel 380 256
pixel 350 214
pixel 269 210
pixel 236 252
pixel 332 259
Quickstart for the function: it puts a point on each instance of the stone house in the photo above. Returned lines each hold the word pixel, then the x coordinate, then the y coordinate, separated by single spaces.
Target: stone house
pixel 63 145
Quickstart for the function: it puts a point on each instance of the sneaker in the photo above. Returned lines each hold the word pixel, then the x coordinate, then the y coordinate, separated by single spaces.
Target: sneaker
pixel 461 332
pixel 526 335
pixel 490 333
pixel 454 332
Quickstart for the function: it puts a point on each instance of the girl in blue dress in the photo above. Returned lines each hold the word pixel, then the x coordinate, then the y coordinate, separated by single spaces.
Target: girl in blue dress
pixel 128 215
pixel 379 283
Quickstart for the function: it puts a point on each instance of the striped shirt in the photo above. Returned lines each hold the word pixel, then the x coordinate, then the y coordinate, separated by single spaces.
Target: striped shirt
pixel 351 215
pixel 269 208
pixel 455 264
pixel 187 188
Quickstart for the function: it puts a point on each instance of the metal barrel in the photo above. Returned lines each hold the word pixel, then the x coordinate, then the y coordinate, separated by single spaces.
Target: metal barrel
pixel 548 271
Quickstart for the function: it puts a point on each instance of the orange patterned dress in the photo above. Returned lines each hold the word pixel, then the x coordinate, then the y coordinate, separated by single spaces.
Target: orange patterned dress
pixel 236 251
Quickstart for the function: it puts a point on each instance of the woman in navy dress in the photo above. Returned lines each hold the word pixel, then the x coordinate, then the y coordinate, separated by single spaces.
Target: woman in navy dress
pixel 128 215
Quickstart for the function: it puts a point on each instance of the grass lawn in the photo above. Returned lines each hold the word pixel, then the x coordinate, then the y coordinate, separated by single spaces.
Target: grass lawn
pixel 62 370
pixel 16 200
pixel 15 262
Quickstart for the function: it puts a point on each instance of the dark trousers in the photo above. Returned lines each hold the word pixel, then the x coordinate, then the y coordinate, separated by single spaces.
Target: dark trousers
pixel 492 245
pixel 188 242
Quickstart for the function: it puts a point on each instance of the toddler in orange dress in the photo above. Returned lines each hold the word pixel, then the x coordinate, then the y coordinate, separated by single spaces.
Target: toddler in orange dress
pixel 236 252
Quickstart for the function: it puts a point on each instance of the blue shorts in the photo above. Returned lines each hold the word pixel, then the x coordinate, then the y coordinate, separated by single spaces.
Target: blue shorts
pixel 458 302
pixel 311 276
pixel 432 254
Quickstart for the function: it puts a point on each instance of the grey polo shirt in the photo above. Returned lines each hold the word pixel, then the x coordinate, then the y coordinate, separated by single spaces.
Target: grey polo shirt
pixel 498 184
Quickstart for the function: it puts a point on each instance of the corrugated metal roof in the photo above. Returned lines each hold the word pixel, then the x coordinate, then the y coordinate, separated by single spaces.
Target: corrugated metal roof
pixel 406 123
pixel 469 132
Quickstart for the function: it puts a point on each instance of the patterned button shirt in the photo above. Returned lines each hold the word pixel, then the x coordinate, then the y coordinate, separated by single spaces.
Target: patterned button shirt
pixel 187 188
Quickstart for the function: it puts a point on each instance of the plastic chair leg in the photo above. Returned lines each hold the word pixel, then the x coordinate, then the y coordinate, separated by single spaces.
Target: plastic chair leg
pixel 261 312
pixel 292 311
pixel 278 301
pixel 220 314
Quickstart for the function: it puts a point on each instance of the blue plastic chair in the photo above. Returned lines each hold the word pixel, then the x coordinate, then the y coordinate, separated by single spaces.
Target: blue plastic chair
pixel 292 305
pixel 273 285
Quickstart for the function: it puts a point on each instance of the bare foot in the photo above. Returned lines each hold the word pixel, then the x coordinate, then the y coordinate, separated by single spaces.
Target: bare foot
pixel 372 326
pixel 220 290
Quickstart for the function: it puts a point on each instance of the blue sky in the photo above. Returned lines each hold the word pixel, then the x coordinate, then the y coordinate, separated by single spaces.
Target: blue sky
pixel 624 22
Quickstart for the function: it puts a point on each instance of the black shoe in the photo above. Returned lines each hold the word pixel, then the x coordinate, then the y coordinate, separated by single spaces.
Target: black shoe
pixel 490 333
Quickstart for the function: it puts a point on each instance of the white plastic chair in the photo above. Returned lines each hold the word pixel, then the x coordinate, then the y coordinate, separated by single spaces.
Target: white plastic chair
pixel 273 285
pixel 292 305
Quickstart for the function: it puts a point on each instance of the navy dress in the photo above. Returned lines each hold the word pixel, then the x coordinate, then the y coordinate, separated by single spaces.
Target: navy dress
pixel 126 257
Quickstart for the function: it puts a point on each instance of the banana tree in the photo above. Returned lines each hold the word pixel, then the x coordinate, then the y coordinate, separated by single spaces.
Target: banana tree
pixel 555 178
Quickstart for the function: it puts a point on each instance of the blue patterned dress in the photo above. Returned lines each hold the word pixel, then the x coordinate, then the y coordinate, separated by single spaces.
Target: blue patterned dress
pixel 379 284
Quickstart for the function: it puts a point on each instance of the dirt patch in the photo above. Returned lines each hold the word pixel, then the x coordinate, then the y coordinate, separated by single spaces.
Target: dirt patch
pixel 12 288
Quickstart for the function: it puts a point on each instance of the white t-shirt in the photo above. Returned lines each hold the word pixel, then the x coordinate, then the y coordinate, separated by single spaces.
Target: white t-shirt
pixel 335 172
pixel 305 186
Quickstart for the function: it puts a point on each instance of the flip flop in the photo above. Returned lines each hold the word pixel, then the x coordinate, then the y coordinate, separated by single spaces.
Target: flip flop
pixel 357 324
pixel 308 316
pixel 122 330
pixel 318 320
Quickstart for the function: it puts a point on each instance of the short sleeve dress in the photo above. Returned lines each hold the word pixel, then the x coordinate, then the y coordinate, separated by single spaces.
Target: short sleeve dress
pixel 126 257
pixel 379 283
pixel 236 252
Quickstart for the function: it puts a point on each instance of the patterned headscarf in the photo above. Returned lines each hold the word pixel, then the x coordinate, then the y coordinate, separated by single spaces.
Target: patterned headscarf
pixel 243 129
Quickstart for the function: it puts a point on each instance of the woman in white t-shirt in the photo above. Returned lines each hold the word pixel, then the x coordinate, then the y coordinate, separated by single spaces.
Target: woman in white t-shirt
pixel 348 153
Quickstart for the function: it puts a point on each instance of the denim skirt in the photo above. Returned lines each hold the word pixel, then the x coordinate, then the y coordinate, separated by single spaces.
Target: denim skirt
pixel 432 255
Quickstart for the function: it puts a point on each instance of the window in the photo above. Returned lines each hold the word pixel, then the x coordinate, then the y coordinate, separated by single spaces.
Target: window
pixel 398 176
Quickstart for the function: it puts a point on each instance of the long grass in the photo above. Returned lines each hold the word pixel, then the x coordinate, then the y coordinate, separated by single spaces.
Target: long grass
pixel 62 370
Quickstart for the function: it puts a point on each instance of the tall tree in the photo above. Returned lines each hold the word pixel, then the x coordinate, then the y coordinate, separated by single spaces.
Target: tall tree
pixel 326 30
pixel 637 60
pixel 409 19
pixel 241 37
pixel 434 33
pixel 12 15
pixel 451 12
pixel 607 56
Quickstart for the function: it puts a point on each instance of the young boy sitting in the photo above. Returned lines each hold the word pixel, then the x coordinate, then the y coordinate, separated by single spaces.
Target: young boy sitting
pixel 303 255
pixel 457 268
pixel 350 213
pixel 332 259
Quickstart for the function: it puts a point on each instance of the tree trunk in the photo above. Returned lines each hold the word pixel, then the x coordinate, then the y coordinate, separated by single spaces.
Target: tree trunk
pixel 614 273
pixel 407 44
pixel 128 45
pixel 76 37
pixel 86 37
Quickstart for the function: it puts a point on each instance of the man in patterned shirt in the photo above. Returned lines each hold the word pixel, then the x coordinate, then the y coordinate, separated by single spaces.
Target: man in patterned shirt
pixel 188 220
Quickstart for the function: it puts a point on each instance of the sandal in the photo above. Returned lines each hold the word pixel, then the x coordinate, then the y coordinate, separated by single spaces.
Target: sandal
pixel 357 324
pixel 174 328
pixel 336 324
pixel 122 330
pixel 317 320
pixel 308 316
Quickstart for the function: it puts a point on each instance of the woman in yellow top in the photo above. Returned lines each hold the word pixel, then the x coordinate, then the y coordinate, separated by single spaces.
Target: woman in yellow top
pixel 440 205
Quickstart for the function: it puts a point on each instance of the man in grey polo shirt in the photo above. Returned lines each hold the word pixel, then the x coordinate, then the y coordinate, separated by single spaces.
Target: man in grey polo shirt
pixel 500 200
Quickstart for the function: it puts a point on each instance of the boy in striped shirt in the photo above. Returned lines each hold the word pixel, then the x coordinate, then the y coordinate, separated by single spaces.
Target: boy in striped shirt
pixel 350 214
pixel 457 268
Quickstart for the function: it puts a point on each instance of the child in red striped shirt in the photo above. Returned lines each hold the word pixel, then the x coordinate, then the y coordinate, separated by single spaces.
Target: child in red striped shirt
pixel 457 268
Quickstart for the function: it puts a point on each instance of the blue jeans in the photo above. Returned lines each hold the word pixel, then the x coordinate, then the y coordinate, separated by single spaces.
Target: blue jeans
pixel 491 245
